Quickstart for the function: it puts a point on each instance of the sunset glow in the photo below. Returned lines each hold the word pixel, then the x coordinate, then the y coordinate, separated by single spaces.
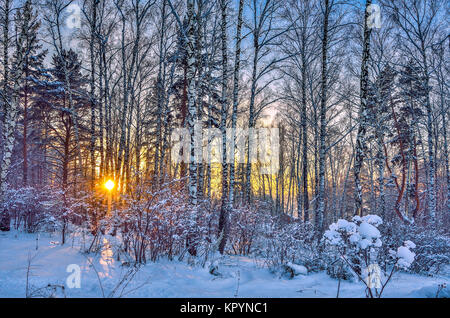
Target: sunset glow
pixel 109 185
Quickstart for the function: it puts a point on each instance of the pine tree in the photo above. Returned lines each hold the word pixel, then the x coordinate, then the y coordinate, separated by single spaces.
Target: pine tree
pixel 413 95
pixel 52 99
pixel 30 49
pixel 379 97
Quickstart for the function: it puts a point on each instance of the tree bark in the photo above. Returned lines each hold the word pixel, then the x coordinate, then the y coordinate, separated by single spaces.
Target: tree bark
pixel 361 147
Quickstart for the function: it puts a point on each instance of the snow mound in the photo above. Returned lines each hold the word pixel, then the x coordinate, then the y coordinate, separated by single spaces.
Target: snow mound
pixel 368 231
pixel 405 257
pixel 298 269
pixel 372 219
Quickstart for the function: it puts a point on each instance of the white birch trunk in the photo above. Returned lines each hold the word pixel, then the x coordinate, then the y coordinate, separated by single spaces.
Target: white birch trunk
pixel 361 147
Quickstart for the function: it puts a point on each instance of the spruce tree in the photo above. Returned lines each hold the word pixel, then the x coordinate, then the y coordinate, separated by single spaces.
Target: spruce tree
pixel 30 50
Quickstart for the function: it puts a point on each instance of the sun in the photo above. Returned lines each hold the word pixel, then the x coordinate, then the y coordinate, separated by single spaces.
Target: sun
pixel 109 185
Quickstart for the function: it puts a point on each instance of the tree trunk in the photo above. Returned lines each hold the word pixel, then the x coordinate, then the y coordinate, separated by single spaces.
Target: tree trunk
pixel 323 105
pixel 237 61
pixel 361 147
pixel 223 217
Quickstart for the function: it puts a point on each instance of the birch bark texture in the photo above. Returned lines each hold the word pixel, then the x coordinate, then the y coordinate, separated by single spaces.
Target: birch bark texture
pixel 363 116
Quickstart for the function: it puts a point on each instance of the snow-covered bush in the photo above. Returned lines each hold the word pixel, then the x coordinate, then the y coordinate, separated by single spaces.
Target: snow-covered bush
pixel 154 224
pixel 284 241
pixel 281 244
pixel 432 249
pixel 245 224
pixel 404 255
pixel 432 245
pixel 352 239
pixel 31 209
pixel 49 209
pixel 144 225
pixel 357 244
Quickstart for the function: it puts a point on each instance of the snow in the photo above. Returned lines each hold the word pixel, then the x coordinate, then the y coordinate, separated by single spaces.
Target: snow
pixel 369 234
pixel 405 256
pixel 298 269
pixel 345 225
pixel 364 243
pixel 355 238
pixel 373 219
pixel 364 235
pixel 240 276
pixel 368 231
pixel 410 244
pixel 333 236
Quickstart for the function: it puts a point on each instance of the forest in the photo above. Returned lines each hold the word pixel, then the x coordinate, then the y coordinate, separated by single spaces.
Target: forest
pixel 309 136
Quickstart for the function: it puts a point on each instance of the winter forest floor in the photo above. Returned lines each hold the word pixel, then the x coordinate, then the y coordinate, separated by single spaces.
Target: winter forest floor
pixel 101 275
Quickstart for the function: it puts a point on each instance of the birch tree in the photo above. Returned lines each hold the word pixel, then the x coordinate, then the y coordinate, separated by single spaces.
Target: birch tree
pixel 223 217
pixel 10 109
pixel 323 108
pixel 236 70
pixel 363 120
pixel 266 34
pixel 92 21
pixel 303 40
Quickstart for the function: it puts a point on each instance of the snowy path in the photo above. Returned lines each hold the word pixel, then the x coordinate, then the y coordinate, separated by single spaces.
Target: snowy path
pixel 172 279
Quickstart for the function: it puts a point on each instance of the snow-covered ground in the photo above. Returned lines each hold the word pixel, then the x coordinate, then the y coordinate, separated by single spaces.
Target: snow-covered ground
pixel 241 276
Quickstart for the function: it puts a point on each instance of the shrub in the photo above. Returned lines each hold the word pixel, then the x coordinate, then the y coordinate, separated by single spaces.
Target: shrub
pixel 357 245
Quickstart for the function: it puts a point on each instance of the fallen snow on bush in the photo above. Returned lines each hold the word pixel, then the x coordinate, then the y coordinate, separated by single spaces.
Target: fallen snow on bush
pixel 405 256
pixel 361 232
